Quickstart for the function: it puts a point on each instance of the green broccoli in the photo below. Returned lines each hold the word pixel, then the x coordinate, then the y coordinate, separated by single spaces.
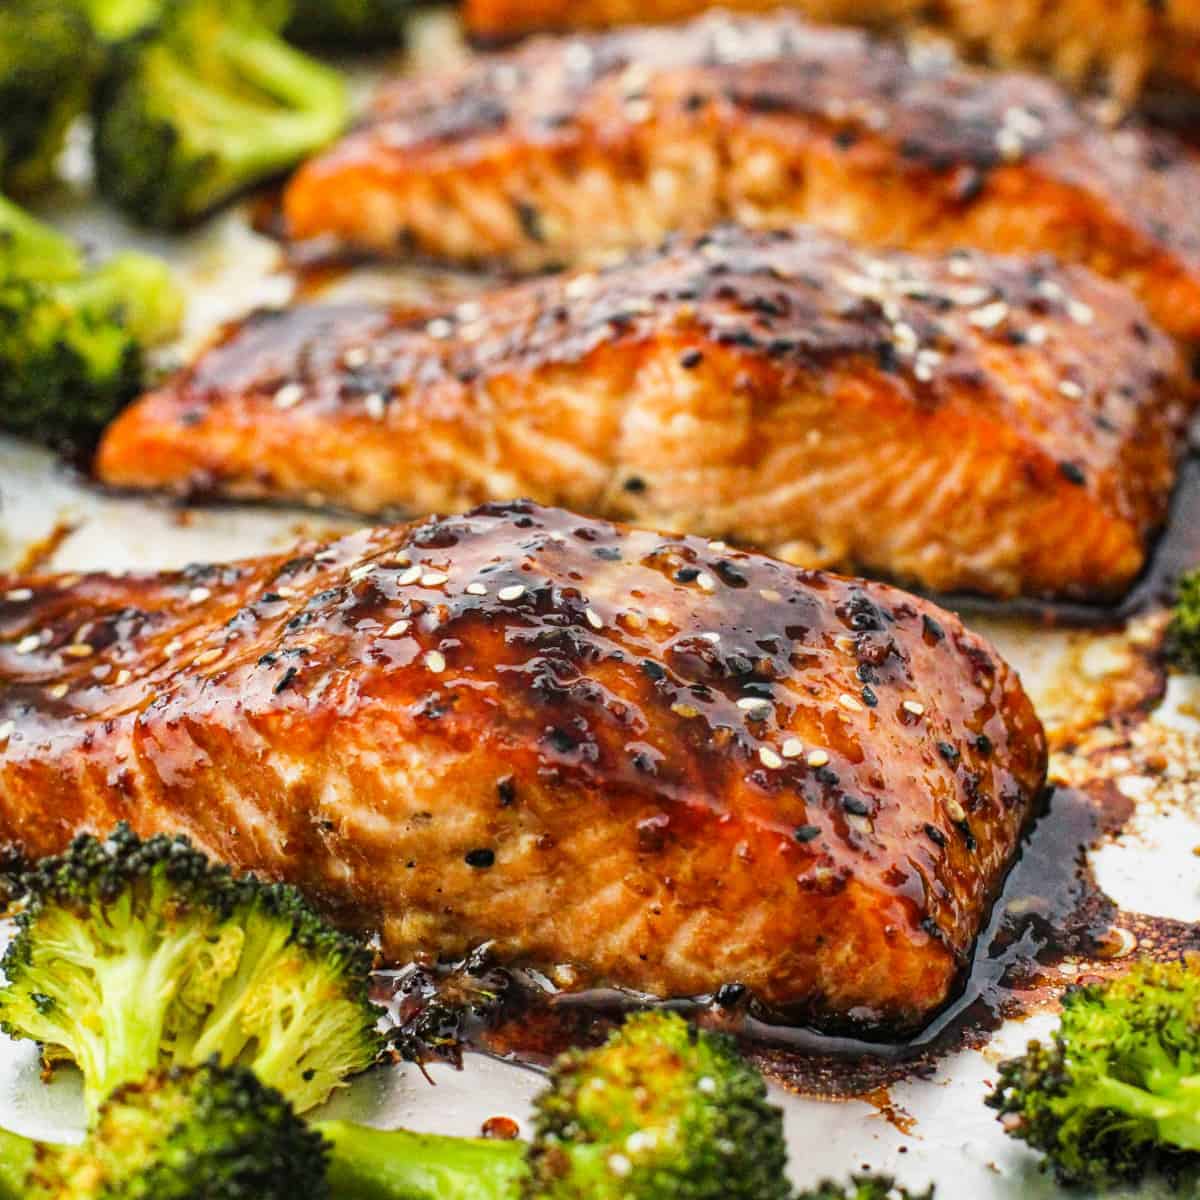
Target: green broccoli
pixel 1183 633
pixel 1116 1094
pixel 115 20
pixel 203 104
pixel 864 1187
pixel 49 61
pixel 73 339
pixel 347 23
pixel 133 955
pixel 200 1133
pixel 660 1111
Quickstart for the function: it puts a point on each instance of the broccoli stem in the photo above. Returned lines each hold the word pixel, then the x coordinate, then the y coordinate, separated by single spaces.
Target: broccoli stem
pixel 369 1164
pixel 34 250
pixel 16 1159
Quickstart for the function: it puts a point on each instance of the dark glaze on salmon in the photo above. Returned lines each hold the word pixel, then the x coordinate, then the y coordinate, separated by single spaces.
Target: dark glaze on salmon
pixel 665 763
pixel 971 423
pixel 569 150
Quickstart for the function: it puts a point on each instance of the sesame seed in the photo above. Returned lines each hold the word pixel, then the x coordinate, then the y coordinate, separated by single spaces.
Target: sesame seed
pixel 356 356
pixel 770 595
pixel 915 707
pixel 361 572
pixel 209 656
pixel 1070 389
pixel 792 748
pixel 581 285
pixel 634 619
pixel 435 661
pixel 7 729
pixel 1010 144
pixel 718 547
pixel 27 645
pixel 58 691
pixel 397 629
pixel 1035 335
pixel 476 589
pixel 20 595
pixel 289 395
pixel 286 592
pixel 593 618
pixel 989 316
pixel 102 671
pixel 818 758
pixel 409 576
pixel 123 677
pixel 172 647
pixel 439 328
pixel 434 579
pixel 849 703
pixel 769 758
pixel 755 708
pixel 685 710
pixel 956 811
pixel 705 582
pixel 515 592
pixel 376 406
pixel 660 615
pixel 1080 313
pixel 78 650
pixel 198 595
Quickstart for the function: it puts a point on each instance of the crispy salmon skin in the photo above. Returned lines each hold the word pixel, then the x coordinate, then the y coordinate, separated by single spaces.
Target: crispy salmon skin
pixel 968 423
pixel 1121 46
pixel 666 763
pixel 568 150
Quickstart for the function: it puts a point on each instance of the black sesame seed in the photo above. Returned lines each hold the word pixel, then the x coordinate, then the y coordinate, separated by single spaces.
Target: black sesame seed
pixel 608 553
pixel 935 835
pixel 730 994
pixel 690 359
pixel 687 574
pixel 1073 473
pixel 653 670
pixel 859 808
pixel 949 753
pixel 869 697
pixel 507 791
pixel 931 628
pixel 806 833
pixel 285 680
pixel 983 744
pixel 635 485
pixel 480 859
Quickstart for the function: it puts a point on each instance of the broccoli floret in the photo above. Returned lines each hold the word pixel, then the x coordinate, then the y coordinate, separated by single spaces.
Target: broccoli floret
pixel 73 339
pixel 48 64
pixel 348 23
pixel 203 104
pixel 1116 1094
pixel 1183 633
pixel 864 1187
pixel 660 1111
pixel 134 955
pixel 203 1133
pixel 115 20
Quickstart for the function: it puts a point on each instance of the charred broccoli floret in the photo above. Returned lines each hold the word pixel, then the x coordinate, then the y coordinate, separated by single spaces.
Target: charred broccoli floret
pixel 864 1187
pixel 134 955
pixel 660 1111
pixel 1116 1094
pixel 1183 633
pixel 73 338
pixel 204 103
pixel 48 63
pixel 347 23
pixel 202 1133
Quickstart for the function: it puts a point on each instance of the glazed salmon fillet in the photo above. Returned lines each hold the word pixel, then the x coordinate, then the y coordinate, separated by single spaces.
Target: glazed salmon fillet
pixel 1121 46
pixel 966 423
pixel 569 150
pixel 666 763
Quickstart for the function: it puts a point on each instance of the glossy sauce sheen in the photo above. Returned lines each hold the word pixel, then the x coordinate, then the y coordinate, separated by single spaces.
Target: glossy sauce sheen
pixel 665 763
pixel 569 150
pixel 970 423
pixel 1123 44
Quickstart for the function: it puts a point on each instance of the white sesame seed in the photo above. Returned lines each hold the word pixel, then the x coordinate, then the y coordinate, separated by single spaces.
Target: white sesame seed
pixel 1051 290
pixel 102 671
pixel 955 810
pixel 706 1085
pixel 905 336
pixel 57 692
pixel 718 547
pixel 1070 389
pixel 1010 144
pixel 711 637
pixel 397 629
pixel 755 707
pixel 705 582
pixel 515 592
pixel 770 595
pixel 818 758
pixel 580 286
pixel 289 395
pixel 7 729
pixel 123 677
pixel 356 356
pixel 660 615
pixel 434 579
pixel 769 758
pixel 634 619
pixel 172 647
pixel 20 595
pixel 375 406
pixel 849 703
pixel 923 372
pixel 961 267
pixel 362 571
pixel 409 576
pixel 792 748
pixel 476 589
pixel 78 650
pixel 619 1165
pixel 1035 335
pixel 435 661
pixel 286 592
pixel 27 645
pixel 198 595
pixel 989 316
pixel 915 707
pixel 1080 313
pixel 209 656
pixel 593 618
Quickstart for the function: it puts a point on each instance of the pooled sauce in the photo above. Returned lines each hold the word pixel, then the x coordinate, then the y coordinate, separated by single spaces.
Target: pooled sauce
pixel 1052 926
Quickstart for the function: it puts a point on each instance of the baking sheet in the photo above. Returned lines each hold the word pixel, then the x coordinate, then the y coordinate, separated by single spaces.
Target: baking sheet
pixel 947 1135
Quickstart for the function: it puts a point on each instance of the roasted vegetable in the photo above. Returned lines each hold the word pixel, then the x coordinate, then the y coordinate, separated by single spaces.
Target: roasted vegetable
pixel 1183 633
pixel 1115 1094
pixel 205 102
pixel 48 64
pixel 73 338
pixel 365 24
pixel 132 955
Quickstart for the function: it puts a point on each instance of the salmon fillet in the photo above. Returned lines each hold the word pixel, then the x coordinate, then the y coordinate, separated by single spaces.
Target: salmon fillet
pixel 968 423
pixel 1121 46
pixel 570 150
pixel 668 764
